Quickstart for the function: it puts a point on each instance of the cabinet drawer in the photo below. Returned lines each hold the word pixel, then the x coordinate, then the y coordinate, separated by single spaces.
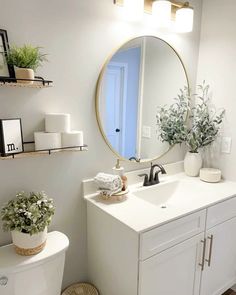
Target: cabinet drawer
pixel 221 212
pixel 163 237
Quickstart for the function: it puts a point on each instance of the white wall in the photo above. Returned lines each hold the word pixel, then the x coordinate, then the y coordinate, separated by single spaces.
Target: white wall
pixel 78 35
pixel 217 64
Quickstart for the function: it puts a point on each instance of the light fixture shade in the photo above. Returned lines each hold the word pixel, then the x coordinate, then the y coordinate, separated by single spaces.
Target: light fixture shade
pixel 134 9
pixel 161 11
pixel 184 20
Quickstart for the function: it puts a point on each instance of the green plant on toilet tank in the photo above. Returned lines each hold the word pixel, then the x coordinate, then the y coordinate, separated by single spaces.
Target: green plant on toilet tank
pixel 199 131
pixel 27 217
pixel 26 59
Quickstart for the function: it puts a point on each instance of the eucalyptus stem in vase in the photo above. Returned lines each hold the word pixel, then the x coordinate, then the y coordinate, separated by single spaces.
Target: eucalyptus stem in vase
pixel 204 125
pixel 205 122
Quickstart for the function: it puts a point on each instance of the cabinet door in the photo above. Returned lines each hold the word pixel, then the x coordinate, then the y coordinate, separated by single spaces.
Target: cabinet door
pixel 220 271
pixel 173 271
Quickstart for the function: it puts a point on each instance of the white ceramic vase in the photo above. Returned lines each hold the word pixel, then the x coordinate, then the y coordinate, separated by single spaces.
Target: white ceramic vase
pixel 26 244
pixel 192 164
pixel 22 73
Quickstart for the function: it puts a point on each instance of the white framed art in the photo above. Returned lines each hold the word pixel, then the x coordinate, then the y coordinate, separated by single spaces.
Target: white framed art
pixel 11 139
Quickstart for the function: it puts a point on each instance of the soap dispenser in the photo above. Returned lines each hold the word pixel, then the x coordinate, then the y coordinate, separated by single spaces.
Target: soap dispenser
pixel 118 170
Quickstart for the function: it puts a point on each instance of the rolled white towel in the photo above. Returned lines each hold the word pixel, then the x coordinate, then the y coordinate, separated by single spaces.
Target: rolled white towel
pixel 109 183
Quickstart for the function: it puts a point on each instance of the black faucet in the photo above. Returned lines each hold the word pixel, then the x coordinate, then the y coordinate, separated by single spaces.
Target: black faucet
pixel 135 159
pixel 153 179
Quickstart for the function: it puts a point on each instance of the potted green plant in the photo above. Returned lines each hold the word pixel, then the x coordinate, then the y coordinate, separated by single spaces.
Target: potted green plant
pixel 200 131
pixel 26 60
pixel 205 123
pixel 27 218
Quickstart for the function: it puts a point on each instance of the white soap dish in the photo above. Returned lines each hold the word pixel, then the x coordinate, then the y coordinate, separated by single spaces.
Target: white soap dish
pixel 210 175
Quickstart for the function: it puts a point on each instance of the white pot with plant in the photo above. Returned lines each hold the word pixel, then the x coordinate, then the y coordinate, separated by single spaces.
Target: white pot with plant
pixel 205 122
pixel 200 131
pixel 26 60
pixel 27 218
pixel 192 163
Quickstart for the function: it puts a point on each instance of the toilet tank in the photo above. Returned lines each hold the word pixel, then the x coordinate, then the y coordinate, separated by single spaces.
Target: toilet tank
pixel 40 274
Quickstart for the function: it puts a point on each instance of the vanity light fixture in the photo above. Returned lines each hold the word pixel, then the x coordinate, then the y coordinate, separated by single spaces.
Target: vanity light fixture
pixel 161 11
pixel 184 19
pixel 134 9
pixel 179 13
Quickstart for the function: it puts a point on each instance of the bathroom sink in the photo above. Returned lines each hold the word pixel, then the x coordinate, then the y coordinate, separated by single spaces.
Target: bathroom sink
pixel 174 193
pixel 177 193
pixel 160 194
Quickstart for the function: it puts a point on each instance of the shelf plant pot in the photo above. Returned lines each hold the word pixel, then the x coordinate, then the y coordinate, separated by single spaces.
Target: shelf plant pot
pixel 23 73
pixel 26 244
pixel 192 164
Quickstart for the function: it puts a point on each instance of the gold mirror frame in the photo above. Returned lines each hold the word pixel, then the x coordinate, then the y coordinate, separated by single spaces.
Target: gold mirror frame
pixel 98 87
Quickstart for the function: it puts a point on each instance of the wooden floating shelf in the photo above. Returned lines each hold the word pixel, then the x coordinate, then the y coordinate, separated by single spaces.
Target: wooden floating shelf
pixel 38 82
pixel 22 85
pixel 45 152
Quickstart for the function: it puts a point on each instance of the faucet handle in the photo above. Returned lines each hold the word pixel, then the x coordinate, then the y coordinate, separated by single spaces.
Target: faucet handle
pixel 156 178
pixel 146 182
pixel 163 171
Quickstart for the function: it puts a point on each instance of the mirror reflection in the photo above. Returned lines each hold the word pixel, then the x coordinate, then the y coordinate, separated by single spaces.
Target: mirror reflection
pixel 143 75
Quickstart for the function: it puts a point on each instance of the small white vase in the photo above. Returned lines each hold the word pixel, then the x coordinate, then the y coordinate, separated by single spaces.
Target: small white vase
pixel 192 164
pixel 26 244
pixel 22 73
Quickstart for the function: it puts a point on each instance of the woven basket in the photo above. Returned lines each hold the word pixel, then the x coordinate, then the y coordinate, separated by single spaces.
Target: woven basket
pixel 121 196
pixel 81 289
pixel 26 244
pixel 29 252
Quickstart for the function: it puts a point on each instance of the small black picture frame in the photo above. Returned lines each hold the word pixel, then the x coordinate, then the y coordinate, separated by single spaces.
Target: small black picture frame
pixel 6 71
pixel 11 137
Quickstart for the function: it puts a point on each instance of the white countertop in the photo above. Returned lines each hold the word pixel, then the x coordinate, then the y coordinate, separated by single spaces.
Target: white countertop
pixel 192 195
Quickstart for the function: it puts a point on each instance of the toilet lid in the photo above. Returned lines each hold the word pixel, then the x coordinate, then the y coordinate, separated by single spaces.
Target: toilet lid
pixel 81 289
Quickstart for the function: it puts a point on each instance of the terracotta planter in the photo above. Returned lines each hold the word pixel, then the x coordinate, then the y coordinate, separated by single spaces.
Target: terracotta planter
pixel 28 245
pixel 192 164
pixel 22 73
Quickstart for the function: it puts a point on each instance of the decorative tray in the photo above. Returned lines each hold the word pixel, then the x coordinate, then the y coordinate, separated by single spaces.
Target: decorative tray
pixel 116 197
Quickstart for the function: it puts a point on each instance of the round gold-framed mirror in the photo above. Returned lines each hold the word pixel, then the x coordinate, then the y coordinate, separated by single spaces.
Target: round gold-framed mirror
pixel 142 75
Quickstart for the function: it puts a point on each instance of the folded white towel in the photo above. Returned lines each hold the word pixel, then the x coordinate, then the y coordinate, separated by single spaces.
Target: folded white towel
pixel 108 183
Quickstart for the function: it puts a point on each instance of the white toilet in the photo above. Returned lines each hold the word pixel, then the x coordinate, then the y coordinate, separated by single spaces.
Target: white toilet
pixel 34 275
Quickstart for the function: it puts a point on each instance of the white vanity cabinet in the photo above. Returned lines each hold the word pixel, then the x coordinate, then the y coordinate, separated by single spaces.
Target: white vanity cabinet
pixel 220 261
pixel 192 255
pixel 176 268
pixel 173 271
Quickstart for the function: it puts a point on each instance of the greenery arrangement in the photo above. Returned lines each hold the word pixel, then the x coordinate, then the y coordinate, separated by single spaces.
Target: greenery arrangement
pixel 204 124
pixel 172 121
pixel 205 121
pixel 29 214
pixel 27 56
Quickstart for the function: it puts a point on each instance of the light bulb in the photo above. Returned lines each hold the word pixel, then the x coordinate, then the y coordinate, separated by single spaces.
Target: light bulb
pixel 133 9
pixel 184 20
pixel 161 11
